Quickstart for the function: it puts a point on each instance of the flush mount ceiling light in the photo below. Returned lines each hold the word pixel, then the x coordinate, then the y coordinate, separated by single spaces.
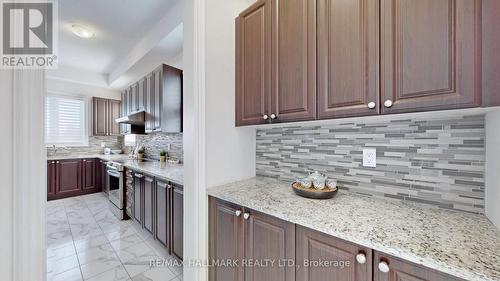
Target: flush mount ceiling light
pixel 82 31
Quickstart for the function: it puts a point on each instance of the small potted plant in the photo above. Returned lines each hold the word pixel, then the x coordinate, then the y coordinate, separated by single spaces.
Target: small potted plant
pixel 163 155
pixel 140 154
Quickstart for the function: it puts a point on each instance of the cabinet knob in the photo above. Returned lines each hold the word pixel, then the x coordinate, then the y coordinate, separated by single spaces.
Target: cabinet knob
pixel 246 216
pixel 371 105
pixel 237 213
pixel 383 267
pixel 84 160
pixel 361 258
pixel 57 162
pixel 388 103
pixel 265 117
pixel 273 116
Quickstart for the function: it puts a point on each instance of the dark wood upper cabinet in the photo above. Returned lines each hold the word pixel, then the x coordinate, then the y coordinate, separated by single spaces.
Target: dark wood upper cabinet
pixel 348 58
pixel 268 238
pixel 314 246
pixel 149 100
pixel 114 113
pixel 226 240
pixel 293 67
pixel 399 270
pixel 141 102
pixel 430 56
pixel 177 224
pixel 134 97
pixel 171 111
pixel 163 212
pixel 89 174
pixel 69 176
pixel 105 112
pixel 253 64
pixel 100 117
pixel 157 98
pixel 149 205
pixel 490 51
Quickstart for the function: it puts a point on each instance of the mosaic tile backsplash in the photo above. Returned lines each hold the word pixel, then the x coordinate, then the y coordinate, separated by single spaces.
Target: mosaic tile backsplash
pixel 94 147
pixel 154 142
pixel 440 162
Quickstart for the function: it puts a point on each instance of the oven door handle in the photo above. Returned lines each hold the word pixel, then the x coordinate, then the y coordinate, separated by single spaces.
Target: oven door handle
pixel 114 173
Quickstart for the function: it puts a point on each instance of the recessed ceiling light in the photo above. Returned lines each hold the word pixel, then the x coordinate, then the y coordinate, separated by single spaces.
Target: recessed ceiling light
pixel 82 31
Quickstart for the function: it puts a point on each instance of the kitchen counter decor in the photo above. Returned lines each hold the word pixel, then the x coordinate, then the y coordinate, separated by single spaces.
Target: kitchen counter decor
pixel 315 186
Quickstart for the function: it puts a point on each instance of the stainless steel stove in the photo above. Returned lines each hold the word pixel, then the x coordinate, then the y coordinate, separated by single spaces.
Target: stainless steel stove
pixel 116 188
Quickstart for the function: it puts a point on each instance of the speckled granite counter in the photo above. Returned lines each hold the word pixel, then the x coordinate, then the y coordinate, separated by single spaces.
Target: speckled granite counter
pixel 169 172
pixel 460 244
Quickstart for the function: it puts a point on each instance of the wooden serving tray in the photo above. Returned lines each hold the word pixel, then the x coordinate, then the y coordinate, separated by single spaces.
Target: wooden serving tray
pixel 314 193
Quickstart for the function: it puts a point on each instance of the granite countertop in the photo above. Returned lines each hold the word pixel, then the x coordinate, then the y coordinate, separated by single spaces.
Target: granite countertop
pixel 457 243
pixel 164 171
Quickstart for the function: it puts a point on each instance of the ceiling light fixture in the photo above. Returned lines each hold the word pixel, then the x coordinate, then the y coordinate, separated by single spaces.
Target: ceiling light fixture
pixel 82 31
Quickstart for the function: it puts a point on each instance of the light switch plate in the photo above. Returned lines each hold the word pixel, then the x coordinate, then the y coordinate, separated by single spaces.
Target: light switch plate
pixel 370 157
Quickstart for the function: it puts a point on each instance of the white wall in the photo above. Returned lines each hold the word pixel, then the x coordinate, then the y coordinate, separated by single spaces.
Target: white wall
pixel 493 167
pixel 230 150
pixel 60 86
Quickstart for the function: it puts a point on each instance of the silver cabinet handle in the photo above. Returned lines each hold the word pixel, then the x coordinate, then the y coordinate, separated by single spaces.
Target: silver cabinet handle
pixel 265 117
pixel 388 103
pixel 237 213
pixel 383 267
pixel 246 216
pixel 53 162
pixel 139 176
pixel 361 258
pixel 273 116
pixel 371 105
pixel 84 160
pixel 57 162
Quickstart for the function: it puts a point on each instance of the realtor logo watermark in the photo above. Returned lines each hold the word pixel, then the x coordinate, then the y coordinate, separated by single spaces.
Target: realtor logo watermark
pixel 29 34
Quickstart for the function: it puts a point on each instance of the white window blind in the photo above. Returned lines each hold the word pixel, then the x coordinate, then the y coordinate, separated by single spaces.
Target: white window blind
pixel 65 121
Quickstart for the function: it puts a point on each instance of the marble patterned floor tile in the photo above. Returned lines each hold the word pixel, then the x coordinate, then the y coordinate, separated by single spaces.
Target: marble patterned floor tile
pixel 99 266
pixel 94 254
pixel 61 252
pixel 70 275
pixel 134 252
pixel 117 273
pixel 90 242
pixel 56 266
pixel 59 239
pixel 118 231
pixel 126 242
pixel 155 274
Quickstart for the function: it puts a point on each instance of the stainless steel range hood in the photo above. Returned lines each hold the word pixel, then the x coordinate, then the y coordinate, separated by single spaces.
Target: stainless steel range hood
pixel 134 118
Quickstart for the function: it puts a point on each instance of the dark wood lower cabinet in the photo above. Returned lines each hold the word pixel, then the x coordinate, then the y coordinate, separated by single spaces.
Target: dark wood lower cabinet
pixel 69 176
pixel 74 177
pixel 226 240
pixel 149 203
pixel 177 212
pixel 313 246
pixel 400 270
pixel 138 182
pixel 163 213
pixel 268 238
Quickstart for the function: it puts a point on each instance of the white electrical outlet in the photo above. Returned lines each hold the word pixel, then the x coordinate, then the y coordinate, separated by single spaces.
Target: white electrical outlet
pixel 370 157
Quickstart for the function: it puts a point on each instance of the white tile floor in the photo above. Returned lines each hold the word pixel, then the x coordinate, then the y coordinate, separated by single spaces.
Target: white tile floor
pixel 85 241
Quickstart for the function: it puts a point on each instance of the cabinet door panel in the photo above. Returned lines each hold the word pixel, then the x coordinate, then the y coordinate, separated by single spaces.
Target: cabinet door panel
pixel 314 246
pixel 171 112
pixel 138 203
pixel 294 60
pixel 114 113
pixel 157 99
pixel 400 270
pixel 88 167
pixel 253 64
pixel 348 58
pixel 149 98
pixel 69 176
pixel 430 56
pixel 100 117
pixel 163 213
pixel 177 221
pixel 140 94
pixel 226 240
pixel 148 203
pixel 268 238
pixel 51 179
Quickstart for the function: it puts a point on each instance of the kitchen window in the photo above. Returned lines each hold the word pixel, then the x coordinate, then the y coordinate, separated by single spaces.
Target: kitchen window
pixel 66 120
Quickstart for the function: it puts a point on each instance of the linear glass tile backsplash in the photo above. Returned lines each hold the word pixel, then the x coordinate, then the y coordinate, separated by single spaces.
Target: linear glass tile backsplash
pixel 437 161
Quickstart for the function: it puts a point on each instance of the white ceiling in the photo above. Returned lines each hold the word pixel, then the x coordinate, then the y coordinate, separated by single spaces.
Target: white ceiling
pixel 119 26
